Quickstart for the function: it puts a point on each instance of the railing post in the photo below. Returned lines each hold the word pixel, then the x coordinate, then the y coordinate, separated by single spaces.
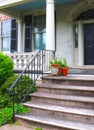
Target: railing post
pixel 13 117
pixel 42 62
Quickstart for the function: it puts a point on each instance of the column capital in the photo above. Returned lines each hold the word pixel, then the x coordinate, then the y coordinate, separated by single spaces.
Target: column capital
pixel 20 21
pixel 50 1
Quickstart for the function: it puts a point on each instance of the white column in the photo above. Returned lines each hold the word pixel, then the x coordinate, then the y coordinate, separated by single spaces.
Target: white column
pixel 80 44
pixel 20 35
pixel 50 25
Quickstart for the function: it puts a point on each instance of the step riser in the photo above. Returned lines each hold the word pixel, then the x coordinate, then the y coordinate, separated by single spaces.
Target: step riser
pixel 62 115
pixel 63 91
pixel 34 125
pixel 69 82
pixel 63 102
pixel 61 118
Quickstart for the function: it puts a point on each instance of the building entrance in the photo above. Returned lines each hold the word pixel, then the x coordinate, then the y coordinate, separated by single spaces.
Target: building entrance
pixel 89 44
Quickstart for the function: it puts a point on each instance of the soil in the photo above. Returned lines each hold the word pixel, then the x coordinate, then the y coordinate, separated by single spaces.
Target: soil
pixel 14 127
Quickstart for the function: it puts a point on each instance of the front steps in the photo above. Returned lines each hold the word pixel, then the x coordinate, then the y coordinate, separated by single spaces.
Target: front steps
pixel 62 103
pixel 80 80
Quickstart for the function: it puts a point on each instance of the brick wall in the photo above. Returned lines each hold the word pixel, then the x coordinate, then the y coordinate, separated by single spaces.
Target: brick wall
pixel 3 17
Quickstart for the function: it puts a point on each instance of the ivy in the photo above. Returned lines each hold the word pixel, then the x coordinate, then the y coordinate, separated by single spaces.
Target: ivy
pixel 7 113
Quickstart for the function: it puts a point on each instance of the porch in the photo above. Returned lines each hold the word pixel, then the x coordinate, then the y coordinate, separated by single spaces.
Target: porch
pixel 22 59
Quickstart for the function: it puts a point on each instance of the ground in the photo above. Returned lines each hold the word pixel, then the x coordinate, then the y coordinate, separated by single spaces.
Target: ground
pixel 14 127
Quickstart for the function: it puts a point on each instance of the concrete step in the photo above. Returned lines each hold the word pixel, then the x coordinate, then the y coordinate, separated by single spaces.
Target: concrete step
pixel 65 89
pixel 48 123
pixel 70 79
pixel 61 112
pixel 66 100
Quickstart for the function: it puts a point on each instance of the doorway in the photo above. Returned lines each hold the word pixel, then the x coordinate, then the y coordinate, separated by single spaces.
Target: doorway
pixel 89 44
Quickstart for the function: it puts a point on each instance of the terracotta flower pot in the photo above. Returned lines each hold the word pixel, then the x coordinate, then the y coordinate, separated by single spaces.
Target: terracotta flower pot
pixel 63 71
pixel 55 66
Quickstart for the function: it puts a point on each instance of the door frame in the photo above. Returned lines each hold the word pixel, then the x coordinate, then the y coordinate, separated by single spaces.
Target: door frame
pixel 80 53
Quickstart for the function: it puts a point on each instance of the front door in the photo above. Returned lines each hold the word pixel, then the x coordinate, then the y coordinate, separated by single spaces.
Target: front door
pixel 89 44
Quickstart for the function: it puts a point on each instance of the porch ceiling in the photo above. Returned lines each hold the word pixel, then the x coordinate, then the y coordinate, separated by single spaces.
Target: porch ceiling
pixel 12 9
pixel 33 4
pixel 40 4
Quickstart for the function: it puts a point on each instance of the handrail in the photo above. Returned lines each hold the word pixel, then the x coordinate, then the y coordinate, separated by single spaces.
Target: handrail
pixel 35 58
pixel 27 78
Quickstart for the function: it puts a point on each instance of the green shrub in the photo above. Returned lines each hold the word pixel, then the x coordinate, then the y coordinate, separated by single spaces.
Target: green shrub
pixel 7 113
pixel 19 89
pixel 39 128
pixel 6 67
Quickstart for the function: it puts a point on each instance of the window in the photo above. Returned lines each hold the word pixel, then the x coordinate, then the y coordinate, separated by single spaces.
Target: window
pixel 88 14
pixel 39 32
pixel 6 35
pixel 76 36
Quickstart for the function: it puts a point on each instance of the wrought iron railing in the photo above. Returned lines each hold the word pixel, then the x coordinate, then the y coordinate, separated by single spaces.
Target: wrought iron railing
pixel 25 82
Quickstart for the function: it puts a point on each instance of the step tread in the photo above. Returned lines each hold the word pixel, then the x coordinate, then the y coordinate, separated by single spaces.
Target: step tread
pixel 66 87
pixel 71 77
pixel 64 97
pixel 72 110
pixel 57 122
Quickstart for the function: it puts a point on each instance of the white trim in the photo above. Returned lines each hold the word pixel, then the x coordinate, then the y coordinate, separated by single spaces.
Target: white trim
pixel 50 25
pixel 80 44
pixel 7 2
pixel 20 35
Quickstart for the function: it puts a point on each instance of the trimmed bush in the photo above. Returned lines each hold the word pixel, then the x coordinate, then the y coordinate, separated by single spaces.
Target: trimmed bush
pixel 20 90
pixel 6 67
pixel 7 113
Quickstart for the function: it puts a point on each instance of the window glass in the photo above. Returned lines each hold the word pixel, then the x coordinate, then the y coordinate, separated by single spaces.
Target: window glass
pixel 6 44
pixel 76 36
pixel 6 35
pixel 40 32
pixel 6 25
pixel 43 40
pixel 40 41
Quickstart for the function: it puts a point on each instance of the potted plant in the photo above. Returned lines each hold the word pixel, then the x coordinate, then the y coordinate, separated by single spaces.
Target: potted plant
pixel 54 66
pixel 63 69
pixel 58 66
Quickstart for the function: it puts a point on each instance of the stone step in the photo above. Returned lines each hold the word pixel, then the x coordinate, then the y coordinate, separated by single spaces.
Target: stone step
pixel 70 79
pixel 65 89
pixel 48 123
pixel 61 112
pixel 66 100
pixel 82 70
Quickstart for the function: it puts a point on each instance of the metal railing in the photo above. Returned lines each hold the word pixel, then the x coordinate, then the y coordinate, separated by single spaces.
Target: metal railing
pixel 26 80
